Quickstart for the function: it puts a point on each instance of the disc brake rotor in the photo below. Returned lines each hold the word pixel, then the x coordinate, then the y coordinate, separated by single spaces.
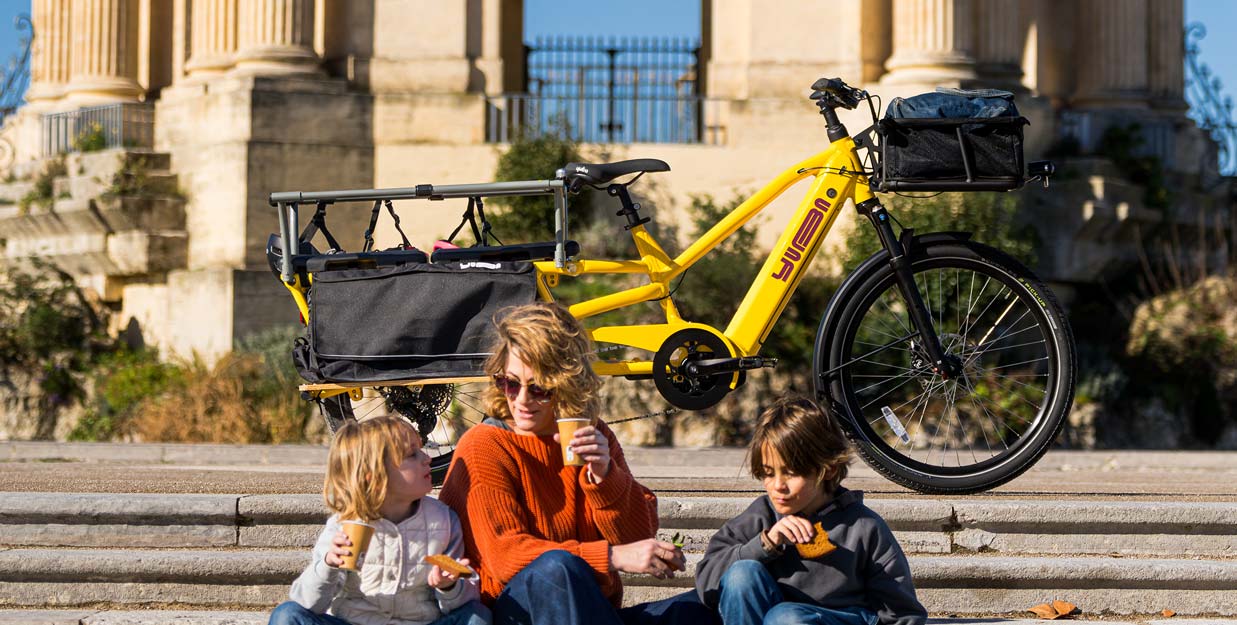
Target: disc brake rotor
pixel 682 390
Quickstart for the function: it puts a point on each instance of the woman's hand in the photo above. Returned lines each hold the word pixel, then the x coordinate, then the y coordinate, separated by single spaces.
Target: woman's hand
pixel 592 446
pixel 650 557
pixel 791 529
pixel 340 546
pixel 444 580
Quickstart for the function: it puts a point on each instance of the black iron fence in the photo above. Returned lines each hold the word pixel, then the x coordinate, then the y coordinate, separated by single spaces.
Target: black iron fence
pixel 1208 106
pixel 16 76
pixel 608 90
pixel 129 124
pixel 595 119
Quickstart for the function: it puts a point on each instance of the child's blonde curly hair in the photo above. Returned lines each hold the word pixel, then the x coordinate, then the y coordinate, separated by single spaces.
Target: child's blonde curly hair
pixel 356 467
pixel 557 348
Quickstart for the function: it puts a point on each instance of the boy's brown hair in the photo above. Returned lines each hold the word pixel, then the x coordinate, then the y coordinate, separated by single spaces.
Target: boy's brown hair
pixel 807 438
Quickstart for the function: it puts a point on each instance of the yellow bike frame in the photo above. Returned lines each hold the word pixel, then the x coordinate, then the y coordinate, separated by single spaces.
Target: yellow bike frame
pixel 838 177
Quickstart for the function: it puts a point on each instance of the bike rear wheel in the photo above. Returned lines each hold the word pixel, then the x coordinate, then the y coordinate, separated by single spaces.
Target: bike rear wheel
pixel 441 413
pixel 976 430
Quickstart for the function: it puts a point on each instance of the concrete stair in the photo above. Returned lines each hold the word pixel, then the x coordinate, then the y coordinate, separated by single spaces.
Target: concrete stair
pixel 119 552
pixel 116 216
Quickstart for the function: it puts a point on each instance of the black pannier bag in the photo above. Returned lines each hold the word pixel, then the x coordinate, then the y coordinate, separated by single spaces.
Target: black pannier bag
pixel 951 140
pixel 415 320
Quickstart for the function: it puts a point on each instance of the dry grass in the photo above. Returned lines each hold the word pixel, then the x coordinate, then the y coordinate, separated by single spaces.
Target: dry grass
pixel 226 403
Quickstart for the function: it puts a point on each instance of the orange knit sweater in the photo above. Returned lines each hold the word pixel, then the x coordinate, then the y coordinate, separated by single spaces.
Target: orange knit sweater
pixel 517 501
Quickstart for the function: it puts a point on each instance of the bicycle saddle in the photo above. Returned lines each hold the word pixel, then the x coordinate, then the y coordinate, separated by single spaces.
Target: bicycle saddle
pixel 579 174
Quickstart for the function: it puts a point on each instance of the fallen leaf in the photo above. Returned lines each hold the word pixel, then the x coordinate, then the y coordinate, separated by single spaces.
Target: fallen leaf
pixel 1054 610
pixel 1044 611
pixel 1168 613
pixel 1064 608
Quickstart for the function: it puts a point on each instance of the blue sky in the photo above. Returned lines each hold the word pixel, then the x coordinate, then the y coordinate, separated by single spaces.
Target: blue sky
pixel 682 17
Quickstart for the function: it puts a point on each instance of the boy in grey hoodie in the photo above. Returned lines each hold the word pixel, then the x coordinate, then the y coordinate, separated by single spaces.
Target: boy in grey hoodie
pixel 808 551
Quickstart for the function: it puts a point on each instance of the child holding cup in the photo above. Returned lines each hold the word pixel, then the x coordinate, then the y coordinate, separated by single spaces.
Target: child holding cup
pixel 367 566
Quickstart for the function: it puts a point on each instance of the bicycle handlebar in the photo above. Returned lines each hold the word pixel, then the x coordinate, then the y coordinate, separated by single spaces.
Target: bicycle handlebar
pixel 834 92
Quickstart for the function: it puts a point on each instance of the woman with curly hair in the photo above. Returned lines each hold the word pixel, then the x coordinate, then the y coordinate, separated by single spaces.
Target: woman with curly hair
pixel 550 540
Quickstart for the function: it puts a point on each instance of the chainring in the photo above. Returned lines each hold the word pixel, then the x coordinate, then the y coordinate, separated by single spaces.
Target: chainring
pixel 421 405
pixel 678 388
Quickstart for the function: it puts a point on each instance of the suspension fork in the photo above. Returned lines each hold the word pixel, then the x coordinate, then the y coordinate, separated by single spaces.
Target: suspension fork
pixel 899 260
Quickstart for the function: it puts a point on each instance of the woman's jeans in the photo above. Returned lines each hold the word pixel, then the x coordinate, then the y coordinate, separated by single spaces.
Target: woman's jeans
pixel 291 613
pixel 561 589
pixel 750 596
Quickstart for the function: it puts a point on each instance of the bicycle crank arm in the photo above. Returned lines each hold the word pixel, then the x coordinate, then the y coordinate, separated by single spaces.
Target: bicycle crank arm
pixel 716 366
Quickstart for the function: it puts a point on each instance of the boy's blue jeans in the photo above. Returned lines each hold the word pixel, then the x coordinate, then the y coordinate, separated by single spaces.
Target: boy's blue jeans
pixel 291 613
pixel 750 596
pixel 562 589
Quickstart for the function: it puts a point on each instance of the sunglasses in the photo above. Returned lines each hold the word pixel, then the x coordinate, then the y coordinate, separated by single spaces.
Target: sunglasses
pixel 511 388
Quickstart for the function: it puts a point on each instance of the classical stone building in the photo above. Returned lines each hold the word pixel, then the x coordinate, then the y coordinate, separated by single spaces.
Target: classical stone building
pixel 221 102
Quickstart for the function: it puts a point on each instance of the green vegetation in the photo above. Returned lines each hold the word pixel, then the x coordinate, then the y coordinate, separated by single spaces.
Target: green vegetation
pixel 50 335
pixel 44 186
pixel 246 397
pixel 531 218
pixel 992 217
pixel 122 381
pixel 92 139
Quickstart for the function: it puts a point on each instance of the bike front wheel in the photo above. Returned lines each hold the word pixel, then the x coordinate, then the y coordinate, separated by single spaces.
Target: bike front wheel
pixel 440 413
pixel 966 433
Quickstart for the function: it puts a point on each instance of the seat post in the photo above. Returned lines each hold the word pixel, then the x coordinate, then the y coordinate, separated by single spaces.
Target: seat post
pixel 630 209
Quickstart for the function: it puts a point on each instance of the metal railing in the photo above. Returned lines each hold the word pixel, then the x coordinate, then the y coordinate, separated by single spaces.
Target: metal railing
pixel 607 90
pixel 601 119
pixel 16 76
pixel 129 124
pixel 1212 110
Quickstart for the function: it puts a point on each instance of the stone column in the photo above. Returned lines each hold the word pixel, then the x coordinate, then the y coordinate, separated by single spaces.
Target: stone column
pixel 933 43
pixel 277 37
pixel 501 38
pixel 49 61
pixel 103 61
pixel 999 42
pixel 1166 53
pixel 876 40
pixel 212 37
pixel 1112 53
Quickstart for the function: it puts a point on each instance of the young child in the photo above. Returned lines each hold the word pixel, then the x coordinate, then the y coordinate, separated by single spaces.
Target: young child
pixel 377 472
pixel 772 564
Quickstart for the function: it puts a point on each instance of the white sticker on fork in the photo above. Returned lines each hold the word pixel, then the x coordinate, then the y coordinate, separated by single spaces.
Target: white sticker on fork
pixel 896 424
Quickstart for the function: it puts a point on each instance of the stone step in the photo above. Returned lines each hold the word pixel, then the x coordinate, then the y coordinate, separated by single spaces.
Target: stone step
pixel 953 584
pixel 1007 527
pixel 221 617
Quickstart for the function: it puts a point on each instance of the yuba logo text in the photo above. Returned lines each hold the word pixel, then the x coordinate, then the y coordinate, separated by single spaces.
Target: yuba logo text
pixel 803 236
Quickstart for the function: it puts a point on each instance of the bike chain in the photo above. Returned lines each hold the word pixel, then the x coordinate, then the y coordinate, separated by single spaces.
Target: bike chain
pixel 661 413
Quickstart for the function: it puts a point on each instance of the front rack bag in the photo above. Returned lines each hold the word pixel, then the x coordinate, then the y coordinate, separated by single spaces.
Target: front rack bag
pixel 951 140
pixel 415 320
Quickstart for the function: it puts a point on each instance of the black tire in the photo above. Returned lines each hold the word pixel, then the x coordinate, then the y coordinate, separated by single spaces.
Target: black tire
pixel 464 410
pixel 1000 415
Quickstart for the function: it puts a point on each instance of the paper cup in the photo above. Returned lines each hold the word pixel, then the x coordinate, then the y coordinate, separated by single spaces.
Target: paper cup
pixel 359 533
pixel 566 429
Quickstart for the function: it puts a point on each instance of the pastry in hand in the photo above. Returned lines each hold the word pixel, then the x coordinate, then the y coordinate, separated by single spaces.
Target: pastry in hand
pixel 448 564
pixel 819 546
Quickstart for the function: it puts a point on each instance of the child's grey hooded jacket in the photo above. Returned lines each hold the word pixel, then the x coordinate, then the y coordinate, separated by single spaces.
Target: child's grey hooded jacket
pixel 867 569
